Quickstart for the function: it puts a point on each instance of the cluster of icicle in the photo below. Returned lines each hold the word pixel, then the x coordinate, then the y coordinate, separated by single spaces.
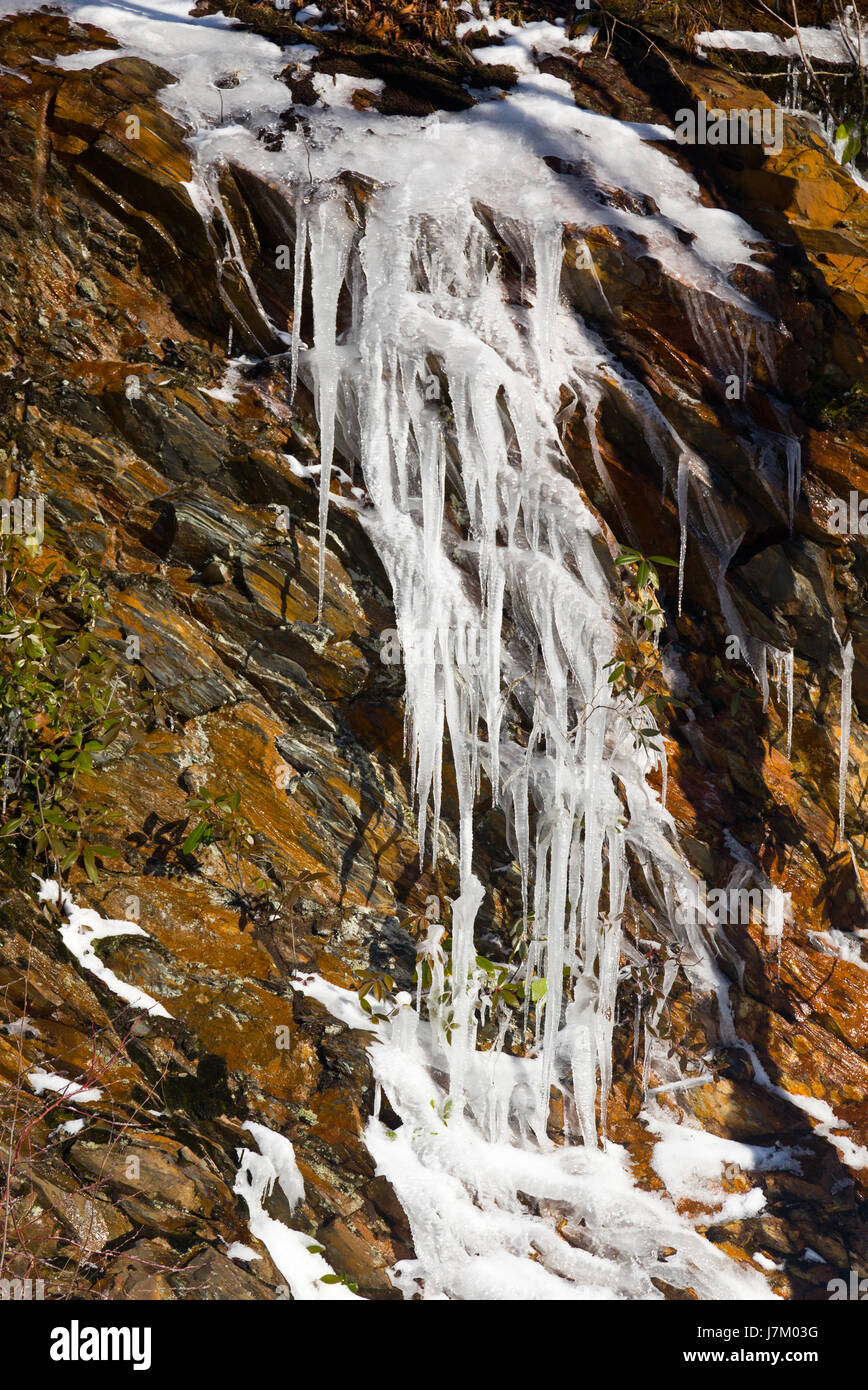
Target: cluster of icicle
pixel 445 385
pixel 432 327
pixel 447 395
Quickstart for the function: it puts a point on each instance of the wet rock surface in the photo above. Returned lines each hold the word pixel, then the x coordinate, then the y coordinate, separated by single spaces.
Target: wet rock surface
pixel 116 309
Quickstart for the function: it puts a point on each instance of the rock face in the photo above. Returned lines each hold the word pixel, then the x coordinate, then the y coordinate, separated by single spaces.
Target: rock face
pixel 183 486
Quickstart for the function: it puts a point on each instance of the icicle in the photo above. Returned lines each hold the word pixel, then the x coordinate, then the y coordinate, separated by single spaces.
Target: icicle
pixel 782 665
pixel 846 711
pixel 789 662
pixel 481 534
pixel 331 235
pixel 683 479
pixel 764 676
pixel 794 476
pixel 548 255
pixel 776 900
pixel 300 260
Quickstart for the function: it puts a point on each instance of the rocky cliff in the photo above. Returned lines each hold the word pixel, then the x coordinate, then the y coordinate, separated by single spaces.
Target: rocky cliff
pixel 189 492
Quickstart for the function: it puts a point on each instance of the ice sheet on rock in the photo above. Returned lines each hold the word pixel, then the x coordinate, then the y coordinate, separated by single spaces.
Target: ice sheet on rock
pixel 338 89
pixel 73 1126
pixel 691 1163
pixel 827 1124
pixel 70 1090
pixel 842 944
pixel 475 1237
pixel 238 1251
pixel 342 1004
pixel 302 1267
pixel 473 149
pixel 84 927
pixel 830 44
pixel 524 44
pixel 21 1028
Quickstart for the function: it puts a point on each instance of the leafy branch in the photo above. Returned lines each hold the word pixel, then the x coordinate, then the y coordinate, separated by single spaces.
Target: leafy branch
pixel 61 706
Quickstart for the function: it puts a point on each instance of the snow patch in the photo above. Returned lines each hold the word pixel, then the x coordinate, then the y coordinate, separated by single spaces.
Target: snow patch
pixel 85 926
pixel 301 1266
pixel 71 1090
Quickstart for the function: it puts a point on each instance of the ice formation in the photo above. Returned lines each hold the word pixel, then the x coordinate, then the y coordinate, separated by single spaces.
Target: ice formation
pixel 847 658
pixel 83 927
pixel 310 1278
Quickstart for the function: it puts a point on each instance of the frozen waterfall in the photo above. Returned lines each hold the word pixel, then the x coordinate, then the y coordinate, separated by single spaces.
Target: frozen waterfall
pixel 441 350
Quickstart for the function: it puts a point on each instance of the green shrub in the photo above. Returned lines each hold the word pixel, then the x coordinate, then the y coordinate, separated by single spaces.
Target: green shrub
pixel 60 706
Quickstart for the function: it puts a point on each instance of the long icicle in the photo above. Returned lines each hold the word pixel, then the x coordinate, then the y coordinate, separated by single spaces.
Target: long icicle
pixel 846 712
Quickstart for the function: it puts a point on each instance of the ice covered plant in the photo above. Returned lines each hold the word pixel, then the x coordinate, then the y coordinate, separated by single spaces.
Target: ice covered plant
pixel 503 990
pixel 61 704
pixel 645 610
pixel 377 988
pixel 847 113
pixel 637 682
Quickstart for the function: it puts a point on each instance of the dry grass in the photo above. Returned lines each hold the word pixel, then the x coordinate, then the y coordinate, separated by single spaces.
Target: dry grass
pixel 31 1143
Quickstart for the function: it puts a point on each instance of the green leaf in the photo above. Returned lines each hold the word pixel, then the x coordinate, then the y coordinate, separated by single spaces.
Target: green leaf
pixel 538 989
pixel 849 132
pixel 662 560
pixel 89 862
pixel 195 837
